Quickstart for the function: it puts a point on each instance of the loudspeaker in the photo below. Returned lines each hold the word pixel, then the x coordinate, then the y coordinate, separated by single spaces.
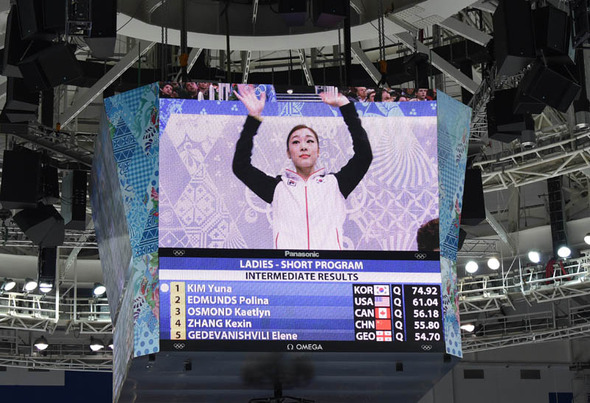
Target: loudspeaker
pixel 47 99
pixel 29 13
pixel 51 67
pixel 49 184
pixel 80 10
pixel 104 19
pixel 581 17
pixel 18 96
pixel 514 43
pixel 46 264
pixel 503 124
pixel 20 116
pixel 552 34
pixel 21 179
pixel 293 12
pixel 54 15
pixel 474 210
pixel 328 13
pixel 549 86
pixel 43 225
pixel 14 46
pixel 74 185
pixel 523 104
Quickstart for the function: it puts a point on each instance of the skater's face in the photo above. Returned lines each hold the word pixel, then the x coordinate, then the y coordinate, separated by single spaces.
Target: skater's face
pixel 303 148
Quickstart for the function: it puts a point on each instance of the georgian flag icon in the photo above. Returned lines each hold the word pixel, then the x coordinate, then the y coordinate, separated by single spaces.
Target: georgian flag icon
pixel 381 290
pixel 382 313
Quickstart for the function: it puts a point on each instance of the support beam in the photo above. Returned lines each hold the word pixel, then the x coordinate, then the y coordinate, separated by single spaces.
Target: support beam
pixel 486 5
pixel 502 234
pixel 466 31
pixel 305 67
pixel 247 61
pixel 439 62
pixel 364 60
pixel 93 92
pixel 254 11
pixel 192 59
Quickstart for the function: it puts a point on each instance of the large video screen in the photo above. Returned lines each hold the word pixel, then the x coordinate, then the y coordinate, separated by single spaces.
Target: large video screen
pixel 311 227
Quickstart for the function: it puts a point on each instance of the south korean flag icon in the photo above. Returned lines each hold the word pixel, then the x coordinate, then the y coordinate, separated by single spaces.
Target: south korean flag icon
pixel 381 289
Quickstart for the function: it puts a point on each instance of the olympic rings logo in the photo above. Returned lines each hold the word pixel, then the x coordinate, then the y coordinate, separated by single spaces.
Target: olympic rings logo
pixel 178 252
pixel 420 256
pixel 426 347
pixel 179 346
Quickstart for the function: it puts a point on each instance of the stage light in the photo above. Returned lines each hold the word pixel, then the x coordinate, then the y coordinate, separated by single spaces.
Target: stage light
pixel 471 267
pixel 493 263
pixel 468 327
pixel 564 251
pixel 8 285
pixel 289 91
pixel 99 290
pixel 111 345
pixel 45 286
pixel 534 256
pixel 41 343
pixel 96 344
pixel 30 285
pixel 587 238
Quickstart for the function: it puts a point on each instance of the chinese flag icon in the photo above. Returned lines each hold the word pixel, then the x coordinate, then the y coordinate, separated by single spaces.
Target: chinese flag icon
pixel 382 313
pixel 383 324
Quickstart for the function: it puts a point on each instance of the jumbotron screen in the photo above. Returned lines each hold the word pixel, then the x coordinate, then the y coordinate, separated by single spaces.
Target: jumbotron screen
pixel 307 227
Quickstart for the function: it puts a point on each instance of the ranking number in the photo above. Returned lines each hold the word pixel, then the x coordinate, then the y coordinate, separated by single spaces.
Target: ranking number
pixel 421 313
pixel 424 290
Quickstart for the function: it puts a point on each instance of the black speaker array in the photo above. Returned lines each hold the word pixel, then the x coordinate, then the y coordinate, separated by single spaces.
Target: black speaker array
pixel 21 179
pixel 328 13
pixel 514 43
pixel 43 225
pixel 293 12
pixel 103 35
pixel 541 40
pixel 503 123
pixel 473 211
pixel 550 86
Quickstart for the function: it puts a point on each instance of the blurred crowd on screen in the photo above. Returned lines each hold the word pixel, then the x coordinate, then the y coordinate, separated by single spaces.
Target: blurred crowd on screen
pixel 210 91
pixel 364 94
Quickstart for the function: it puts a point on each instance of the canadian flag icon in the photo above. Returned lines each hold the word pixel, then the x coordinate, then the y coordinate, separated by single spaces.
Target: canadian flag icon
pixel 383 313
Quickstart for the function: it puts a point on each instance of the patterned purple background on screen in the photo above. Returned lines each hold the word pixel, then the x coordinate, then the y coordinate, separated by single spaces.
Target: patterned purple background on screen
pixel 203 205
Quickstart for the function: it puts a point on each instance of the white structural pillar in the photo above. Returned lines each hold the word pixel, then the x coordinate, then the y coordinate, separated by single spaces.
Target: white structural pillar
pixel 366 62
pixel 93 92
pixel 466 31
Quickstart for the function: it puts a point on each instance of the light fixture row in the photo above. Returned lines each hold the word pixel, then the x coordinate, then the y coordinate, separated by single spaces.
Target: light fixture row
pixel 31 285
pixel 96 344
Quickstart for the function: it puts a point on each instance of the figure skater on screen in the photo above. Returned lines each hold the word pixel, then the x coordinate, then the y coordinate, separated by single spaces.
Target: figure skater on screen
pixel 307 202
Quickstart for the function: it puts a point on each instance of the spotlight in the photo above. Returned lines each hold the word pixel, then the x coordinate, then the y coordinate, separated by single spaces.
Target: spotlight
pixel 8 285
pixel 45 286
pixel 111 345
pixel 30 285
pixel 534 256
pixel 564 251
pixel 587 238
pixel 99 290
pixel 493 263
pixel 289 91
pixel 471 267
pixel 468 327
pixel 96 344
pixel 41 343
